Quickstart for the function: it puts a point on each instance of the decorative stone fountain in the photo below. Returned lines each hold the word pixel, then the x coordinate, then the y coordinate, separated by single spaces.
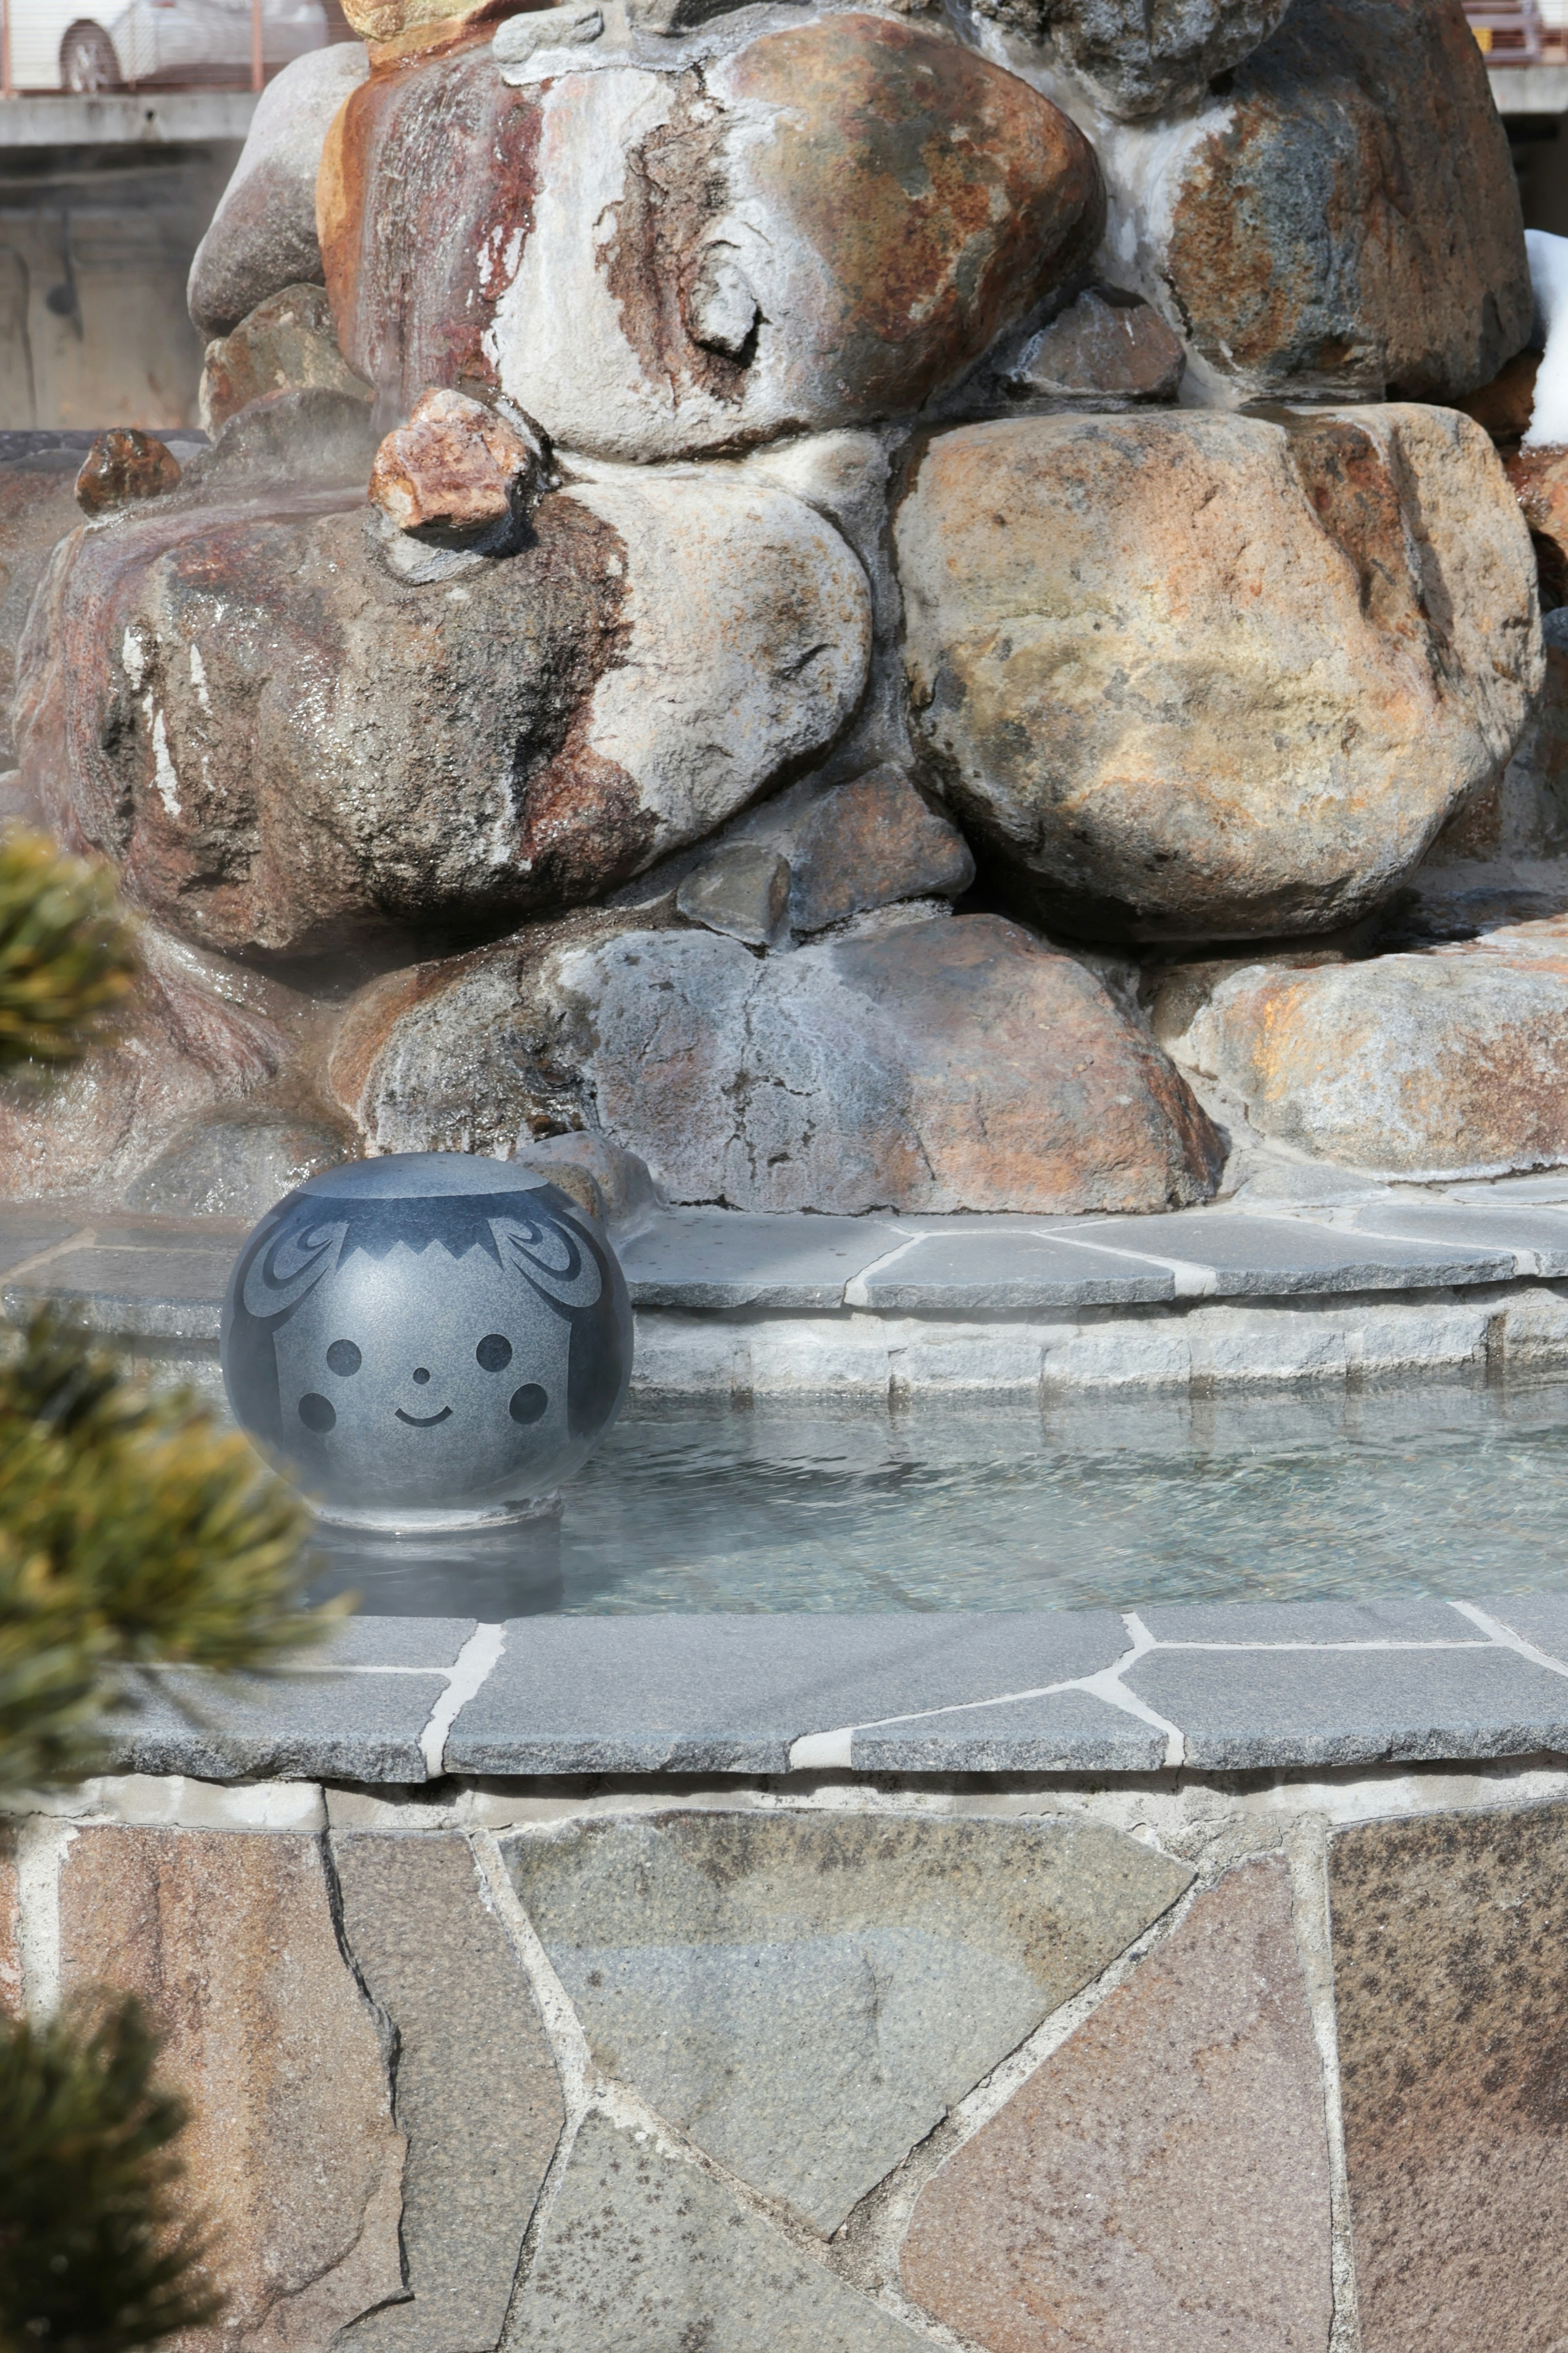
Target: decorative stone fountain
pixel 926 632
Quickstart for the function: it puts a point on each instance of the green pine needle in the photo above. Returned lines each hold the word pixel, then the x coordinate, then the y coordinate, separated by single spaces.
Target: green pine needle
pixel 67 960
pixel 132 1531
pixel 95 2253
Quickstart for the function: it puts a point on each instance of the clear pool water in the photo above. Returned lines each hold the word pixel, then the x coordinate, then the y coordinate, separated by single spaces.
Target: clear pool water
pixel 1444 1489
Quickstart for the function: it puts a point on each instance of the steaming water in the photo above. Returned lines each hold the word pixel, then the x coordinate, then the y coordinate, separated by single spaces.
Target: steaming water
pixel 1439 1490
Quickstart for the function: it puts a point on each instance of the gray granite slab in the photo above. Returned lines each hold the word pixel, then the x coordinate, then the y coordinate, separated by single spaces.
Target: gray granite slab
pixel 969 1271
pixel 1393 1620
pixel 1241 1709
pixel 1538 1618
pixel 1547 1184
pixel 172 1293
pixel 806 1994
pixel 1277 1257
pixel 432 1643
pixel 25 1232
pixel 292 1725
pixel 1069 1731
pixel 726 1258
pixel 1539 1232
pixel 724 1693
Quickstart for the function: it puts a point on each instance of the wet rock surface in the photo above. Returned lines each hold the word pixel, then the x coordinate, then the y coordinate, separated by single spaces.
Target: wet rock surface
pixel 1169 669
pixel 1162 2178
pixel 1450 1997
pixel 228 1939
pixel 730 1976
pixel 528 735
pixel 263 235
pixel 909 200
pixel 286 343
pixel 123 467
pixel 920 1065
pixel 1343 218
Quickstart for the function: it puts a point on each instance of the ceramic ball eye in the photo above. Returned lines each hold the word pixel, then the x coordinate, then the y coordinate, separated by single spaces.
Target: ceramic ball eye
pixel 492 1344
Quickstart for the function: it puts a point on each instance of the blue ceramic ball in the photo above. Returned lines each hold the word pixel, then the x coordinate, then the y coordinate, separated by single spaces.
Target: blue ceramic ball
pixel 426 1338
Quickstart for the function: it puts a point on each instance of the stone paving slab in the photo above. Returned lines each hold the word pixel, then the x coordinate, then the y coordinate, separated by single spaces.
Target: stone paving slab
pixel 726 1258
pixel 156 1289
pixel 1532 1233
pixel 982 1271
pixel 1278 1622
pixel 1244 1256
pixel 1539 1619
pixel 361 1725
pixel 1066 1732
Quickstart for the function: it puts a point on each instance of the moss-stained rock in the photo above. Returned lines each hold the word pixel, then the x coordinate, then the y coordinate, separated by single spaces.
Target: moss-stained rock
pixel 807 1995
pixel 1451 1990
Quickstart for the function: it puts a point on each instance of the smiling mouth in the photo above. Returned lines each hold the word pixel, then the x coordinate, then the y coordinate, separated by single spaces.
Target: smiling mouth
pixel 426 1421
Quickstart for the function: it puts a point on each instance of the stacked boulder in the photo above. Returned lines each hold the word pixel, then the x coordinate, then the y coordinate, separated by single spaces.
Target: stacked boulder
pixel 796 594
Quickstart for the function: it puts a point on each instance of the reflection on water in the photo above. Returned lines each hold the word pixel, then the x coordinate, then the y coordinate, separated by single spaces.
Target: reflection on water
pixel 1447 1488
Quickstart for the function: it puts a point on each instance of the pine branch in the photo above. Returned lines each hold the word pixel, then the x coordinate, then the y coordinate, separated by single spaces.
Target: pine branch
pixel 67 960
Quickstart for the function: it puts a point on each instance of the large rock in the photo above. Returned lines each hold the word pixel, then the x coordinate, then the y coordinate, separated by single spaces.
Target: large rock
pixel 229 1937
pixel 37 509
pixel 287 343
pixel 722 1964
pixel 1449 1063
pixel 932 1064
pixel 289 749
pixel 262 237
pixel 1137 59
pixel 1162 2180
pixel 1172 670
pixel 827 225
pixel 1344 219
pixel 197 1041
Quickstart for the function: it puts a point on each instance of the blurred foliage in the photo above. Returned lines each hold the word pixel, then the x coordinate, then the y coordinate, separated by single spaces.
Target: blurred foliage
pixel 67 958
pixel 132 1531
pixel 96 2255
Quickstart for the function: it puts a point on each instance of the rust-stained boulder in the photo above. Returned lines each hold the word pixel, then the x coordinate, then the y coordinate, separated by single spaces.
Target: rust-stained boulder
pixel 922 1064
pixel 294 2157
pixel 870 843
pixel 1341 220
pixel 456 469
pixel 1451 1062
pixel 262 237
pixel 37 510
pixel 122 465
pixel 1540 479
pixel 826 226
pixel 1194 675
pixel 287 343
pixel 1139 59
pixel 287 748
pixel 197 1038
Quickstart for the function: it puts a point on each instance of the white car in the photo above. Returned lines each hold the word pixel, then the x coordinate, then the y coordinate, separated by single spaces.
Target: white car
pixel 54 46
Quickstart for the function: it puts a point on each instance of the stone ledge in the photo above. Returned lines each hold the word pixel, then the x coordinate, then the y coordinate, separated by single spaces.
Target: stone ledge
pixel 1236 1687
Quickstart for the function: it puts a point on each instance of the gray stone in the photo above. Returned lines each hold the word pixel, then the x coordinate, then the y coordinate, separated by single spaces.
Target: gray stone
pixel 263 233
pixel 980 1271
pixel 1107 349
pixel 172 1294
pixel 432 1643
pixel 719 1694
pixel 24 1233
pixel 1138 60
pixel 643 2255
pixel 807 1995
pixel 1239 1709
pixel 741 889
pixel 1071 1732
pixel 1540 1619
pixel 1539 1236
pixel 727 1258
pixel 868 844
pixel 1281 1256
pixel 305 437
pixel 297 1724
pixel 475 2088
pixel 1246 1623
pixel 234 1169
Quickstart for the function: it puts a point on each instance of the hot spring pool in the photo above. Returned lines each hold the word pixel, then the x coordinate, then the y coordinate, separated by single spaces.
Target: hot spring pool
pixel 1441 1489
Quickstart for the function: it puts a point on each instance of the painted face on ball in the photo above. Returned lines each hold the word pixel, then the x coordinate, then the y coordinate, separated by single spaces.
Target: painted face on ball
pixel 417 1372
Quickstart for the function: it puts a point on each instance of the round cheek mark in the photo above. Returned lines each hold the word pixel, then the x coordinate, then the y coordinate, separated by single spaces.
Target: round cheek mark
pixel 528 1402
pixel 344 1358
pixel 317 1414
pixel 493 1354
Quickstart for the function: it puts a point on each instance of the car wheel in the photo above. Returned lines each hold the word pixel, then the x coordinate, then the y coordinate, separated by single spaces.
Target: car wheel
pixel 87 61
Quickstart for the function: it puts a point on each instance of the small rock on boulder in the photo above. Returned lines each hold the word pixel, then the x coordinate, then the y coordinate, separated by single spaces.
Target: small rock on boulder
pixel 1106 348
pixel 124 465
pixel 827 225
pixel 742 889
pixel 286 343
pixel 456 469
pixel 1342 221
pixel 868 844
pixel 927 1065
pixel 1171 666
pixel 263 235
pixel 1136 59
